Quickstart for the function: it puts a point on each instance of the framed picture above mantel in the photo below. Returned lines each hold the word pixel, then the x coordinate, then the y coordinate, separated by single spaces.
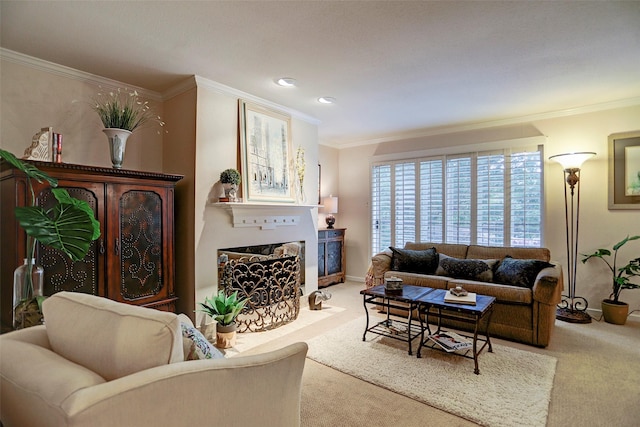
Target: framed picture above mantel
pixel 265 149
pixel 624 170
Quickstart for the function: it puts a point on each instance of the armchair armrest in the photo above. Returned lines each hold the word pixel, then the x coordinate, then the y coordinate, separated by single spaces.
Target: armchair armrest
pixel 36 335
pixel 257 390
pixel 548 286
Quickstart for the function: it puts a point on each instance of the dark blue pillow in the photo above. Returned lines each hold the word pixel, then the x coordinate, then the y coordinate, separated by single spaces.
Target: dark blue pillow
pixel 519 272
pixel 414 261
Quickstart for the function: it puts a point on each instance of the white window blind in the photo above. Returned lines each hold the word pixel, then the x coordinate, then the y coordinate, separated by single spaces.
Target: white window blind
pixel 491 198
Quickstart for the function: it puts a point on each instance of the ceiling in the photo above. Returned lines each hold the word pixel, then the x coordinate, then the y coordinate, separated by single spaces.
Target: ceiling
pixel 395 68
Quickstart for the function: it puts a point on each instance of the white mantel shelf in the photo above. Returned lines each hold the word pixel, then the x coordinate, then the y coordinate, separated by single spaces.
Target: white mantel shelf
pixel 266 216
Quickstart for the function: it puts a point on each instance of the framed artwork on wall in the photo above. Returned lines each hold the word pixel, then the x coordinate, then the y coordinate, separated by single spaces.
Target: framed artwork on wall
pixel 265 150
pixel 624 170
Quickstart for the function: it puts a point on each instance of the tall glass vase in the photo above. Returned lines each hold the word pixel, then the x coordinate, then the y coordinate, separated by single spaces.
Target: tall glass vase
pixel 28 282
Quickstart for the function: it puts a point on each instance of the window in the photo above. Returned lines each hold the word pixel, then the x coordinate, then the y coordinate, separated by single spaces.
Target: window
pixel 491 198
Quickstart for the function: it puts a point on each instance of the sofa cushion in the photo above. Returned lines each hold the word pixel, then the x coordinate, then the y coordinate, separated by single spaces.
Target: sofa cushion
pixel 519 272
pixel 471 269
pixel 417 279
pixel 414 261
pixel 110 338
pixel 502 293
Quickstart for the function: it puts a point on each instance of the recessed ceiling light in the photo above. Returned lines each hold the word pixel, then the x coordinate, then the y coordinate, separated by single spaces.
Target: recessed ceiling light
pixel 286 81
pixel 326 100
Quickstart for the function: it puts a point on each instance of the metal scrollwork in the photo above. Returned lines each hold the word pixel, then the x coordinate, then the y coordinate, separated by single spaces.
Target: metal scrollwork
pixel 272 286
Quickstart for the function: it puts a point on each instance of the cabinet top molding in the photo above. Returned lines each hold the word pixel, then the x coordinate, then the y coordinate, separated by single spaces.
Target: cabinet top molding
pixel 4 166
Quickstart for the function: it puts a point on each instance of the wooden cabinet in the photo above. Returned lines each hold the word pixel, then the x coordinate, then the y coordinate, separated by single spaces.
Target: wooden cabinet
pixel 331 256
pixel 131 262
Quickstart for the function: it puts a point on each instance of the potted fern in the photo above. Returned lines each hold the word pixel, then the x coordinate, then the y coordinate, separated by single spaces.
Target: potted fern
pixel 224 310
pixel 69 226
pixel 614 310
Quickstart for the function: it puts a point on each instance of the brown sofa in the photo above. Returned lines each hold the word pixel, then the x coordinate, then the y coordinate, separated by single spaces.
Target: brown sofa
pixel 523 314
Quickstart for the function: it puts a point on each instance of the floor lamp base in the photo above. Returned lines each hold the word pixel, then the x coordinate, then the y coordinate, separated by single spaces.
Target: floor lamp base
pixel 572 316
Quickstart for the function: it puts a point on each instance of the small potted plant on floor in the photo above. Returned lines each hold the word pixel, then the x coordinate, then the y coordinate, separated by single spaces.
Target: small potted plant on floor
pixel 614 310
pixel 224 310
pixel 230 179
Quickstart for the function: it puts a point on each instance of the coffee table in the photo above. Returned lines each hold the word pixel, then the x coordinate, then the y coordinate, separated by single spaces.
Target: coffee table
pixel 396 329
pixel 432 304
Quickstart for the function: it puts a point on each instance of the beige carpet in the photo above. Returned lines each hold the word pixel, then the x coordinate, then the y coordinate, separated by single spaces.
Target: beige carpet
pixel 514 387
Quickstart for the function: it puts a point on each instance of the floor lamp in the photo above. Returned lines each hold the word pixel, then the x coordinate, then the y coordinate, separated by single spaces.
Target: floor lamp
pixel 572 308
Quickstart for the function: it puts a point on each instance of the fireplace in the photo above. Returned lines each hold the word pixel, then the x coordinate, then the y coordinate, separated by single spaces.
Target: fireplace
pixel 269 276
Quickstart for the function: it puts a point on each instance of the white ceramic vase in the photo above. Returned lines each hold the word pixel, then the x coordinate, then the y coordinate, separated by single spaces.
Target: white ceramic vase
pixel 117 145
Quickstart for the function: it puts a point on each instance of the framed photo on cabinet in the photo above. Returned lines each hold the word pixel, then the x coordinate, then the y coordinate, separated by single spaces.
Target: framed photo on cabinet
pixel 265 150
pixel 624 170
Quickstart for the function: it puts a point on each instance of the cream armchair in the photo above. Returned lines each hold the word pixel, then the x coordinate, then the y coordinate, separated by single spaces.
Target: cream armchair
pixel 97 363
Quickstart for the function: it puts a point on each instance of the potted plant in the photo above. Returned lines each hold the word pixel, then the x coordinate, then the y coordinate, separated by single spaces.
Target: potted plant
pixel 122 111
pixel 224 310
pixel 614 310
pixel 69 226
pixel 230 179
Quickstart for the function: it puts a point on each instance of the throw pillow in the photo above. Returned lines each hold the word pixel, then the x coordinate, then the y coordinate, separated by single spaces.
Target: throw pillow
pixel 519 272
pixel 412 261
pixel 470 269
pixel 199 347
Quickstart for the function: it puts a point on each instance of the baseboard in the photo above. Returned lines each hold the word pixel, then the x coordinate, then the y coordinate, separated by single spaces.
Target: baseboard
pixel 597 313
pixel 355 279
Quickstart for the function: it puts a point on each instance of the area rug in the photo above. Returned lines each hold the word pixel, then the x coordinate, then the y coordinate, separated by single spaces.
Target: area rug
pixel 513 388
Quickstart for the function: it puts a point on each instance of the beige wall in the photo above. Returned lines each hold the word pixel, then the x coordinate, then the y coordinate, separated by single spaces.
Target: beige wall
pixel 35 97
pixel 599 227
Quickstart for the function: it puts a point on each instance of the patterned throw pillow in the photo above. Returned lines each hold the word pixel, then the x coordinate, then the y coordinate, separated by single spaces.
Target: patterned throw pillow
pixel 199 348
pixel 412 261
pixel 519 272
pixel 470 269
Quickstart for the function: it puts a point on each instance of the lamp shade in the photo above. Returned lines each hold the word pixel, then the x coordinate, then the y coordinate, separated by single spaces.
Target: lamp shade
pixel 572 160
pixel 330 205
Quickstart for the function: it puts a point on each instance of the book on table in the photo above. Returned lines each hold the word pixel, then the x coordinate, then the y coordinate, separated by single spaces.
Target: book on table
pixel 469 299
pixel 450 341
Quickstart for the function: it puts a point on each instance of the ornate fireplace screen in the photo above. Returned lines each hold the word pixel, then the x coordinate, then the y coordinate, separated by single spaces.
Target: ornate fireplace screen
pixel 272 285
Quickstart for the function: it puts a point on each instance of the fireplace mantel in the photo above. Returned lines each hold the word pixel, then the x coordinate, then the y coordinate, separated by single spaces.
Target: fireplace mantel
pixel 266 216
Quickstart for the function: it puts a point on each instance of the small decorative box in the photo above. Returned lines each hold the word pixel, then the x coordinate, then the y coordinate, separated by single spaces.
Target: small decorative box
pixel 393 285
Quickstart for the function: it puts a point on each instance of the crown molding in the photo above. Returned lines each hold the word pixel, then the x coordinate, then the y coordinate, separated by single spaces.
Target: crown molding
pixel 226 90
pixel 464 127
pixel 185 85
pixel 72 73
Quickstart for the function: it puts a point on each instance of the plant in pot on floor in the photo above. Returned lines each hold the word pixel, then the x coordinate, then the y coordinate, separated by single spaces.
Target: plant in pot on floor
pixel 224 310
pixel 69 226
pixel 614 310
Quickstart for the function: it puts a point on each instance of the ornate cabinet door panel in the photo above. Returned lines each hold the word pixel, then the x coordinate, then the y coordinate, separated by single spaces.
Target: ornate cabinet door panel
pixel 139 250
pixel 62 274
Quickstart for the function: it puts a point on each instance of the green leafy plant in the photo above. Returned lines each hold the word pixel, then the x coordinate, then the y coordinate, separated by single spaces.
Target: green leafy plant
pixel 230 176
pixel 123 109
pixel 222 308
pixel 621 276
pixel 69 226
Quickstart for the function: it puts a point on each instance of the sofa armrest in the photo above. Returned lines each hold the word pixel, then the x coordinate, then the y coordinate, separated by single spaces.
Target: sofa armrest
pixel 548 286
pixel 262 389
pixel 380 264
